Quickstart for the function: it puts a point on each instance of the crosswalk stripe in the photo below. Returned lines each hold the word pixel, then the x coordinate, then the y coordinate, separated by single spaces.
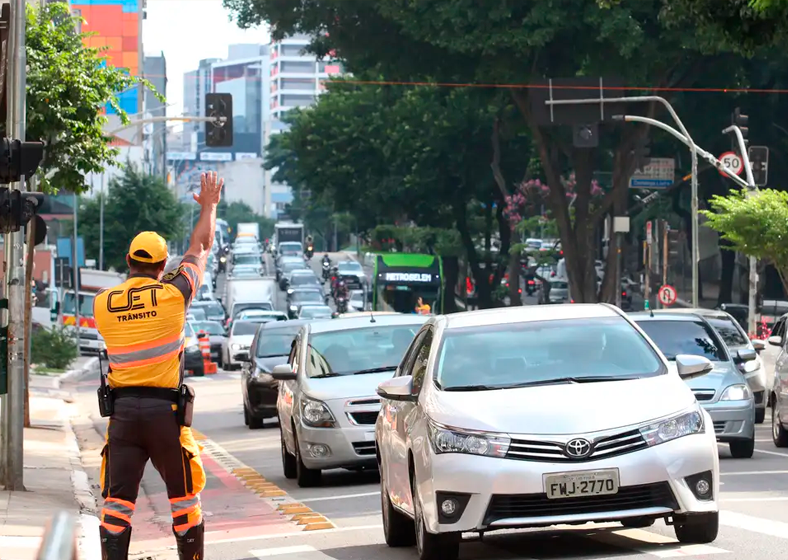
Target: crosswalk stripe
pixel 268 552
pixel 760 525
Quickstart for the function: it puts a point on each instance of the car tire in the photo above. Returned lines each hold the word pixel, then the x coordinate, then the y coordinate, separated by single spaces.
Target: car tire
pixel 700 528
pixel 443 546
pixel 779 433
pixel 398 528
pixel 743 449
pixel 760 415
pixel 637 522
pixel 199 372
pixel 289 464
pixel 220 361
pixel 254 423
pixel 246 416
pixel 306 477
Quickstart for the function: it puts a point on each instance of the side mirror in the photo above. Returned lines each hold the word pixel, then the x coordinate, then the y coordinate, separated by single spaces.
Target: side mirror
pixel 202 335
pixel 759 345
pixel 283 372
pixel 745 355
pixel 243 357
pixel 397 389
pixel 776 340
pixel 690 367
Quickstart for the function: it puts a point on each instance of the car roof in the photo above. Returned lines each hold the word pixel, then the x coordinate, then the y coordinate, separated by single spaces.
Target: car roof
pixel 664 316
pixel 291 324
pixel 303 289
pixel 708 313
pixel 350 323
pixel 528 313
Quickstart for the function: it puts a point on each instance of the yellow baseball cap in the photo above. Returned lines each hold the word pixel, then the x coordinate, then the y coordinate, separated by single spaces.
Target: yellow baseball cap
pixel 148 247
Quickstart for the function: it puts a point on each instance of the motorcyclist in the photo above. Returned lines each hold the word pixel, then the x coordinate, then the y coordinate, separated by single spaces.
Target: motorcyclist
pixel 326 260
pixel 341 296
pixel 334 279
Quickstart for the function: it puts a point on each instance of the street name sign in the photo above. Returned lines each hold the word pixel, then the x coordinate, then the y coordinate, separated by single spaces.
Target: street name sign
pixel 660 173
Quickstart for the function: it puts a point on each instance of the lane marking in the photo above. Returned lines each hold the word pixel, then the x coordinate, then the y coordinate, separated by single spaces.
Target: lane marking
pixel 300 533
pixel 752 473
pixel 268 552
pixel 285 505
pixel 653 544
pixel 760 525
pixel 345 497
pixel 755 500
pixel 777 453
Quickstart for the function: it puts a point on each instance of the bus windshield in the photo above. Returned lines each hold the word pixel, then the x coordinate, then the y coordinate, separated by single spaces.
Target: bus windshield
pixel 85 304
pixel 404 299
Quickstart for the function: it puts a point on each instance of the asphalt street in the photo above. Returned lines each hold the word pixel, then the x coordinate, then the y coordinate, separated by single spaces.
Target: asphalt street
pixel 248 519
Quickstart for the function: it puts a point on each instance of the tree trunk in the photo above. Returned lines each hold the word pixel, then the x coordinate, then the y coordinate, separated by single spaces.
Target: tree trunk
pixel 609 290
pixel 28 326
pixel 451 273
pixel 480 275
pixel 728 265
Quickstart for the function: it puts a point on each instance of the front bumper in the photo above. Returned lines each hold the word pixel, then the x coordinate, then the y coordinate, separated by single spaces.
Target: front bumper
pixel 261 397
pixel 732 420
pixel 235 355
pixel 509 493
pixel 349 447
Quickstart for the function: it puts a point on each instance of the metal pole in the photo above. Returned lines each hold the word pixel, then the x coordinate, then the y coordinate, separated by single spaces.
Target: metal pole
pixel 619 241
pixel 15 272
pixel 75 272
pixel 664 253
pixel 101 222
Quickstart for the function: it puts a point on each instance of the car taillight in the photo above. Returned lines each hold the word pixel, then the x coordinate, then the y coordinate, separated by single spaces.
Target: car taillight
pixel 552 274
pixel 530 282
pixel 520 290
pixel 623 294
pixel 571 301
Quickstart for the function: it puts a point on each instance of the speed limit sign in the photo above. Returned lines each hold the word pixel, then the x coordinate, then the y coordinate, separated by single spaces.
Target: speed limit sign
pixel 732 162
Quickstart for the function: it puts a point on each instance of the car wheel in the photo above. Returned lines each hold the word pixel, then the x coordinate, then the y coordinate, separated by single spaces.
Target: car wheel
pixel 779 433
pixel 289 465
pixel 760 415
pixel 398 528
pixel 220 361
pixel 246 416
pixel 254 423
pixel 742 449
pixel 305 476
pixel 637 522
pixel 699 528
pixel 199 372
pixel 443 546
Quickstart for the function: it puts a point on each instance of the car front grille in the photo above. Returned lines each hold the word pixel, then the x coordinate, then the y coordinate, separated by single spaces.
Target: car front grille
pixel 719 427
pixel 504 506
pixel 363 418
pixel 552 452
pixel 702 395
pixel 364 448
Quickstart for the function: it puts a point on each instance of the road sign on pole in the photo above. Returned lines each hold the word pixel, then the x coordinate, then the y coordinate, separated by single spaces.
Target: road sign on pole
pixel 759 160
pixel 648 232
pixel 667 295
pixel 733 162
pixel 660 173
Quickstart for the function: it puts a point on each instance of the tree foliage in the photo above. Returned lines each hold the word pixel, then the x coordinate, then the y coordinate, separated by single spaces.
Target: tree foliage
pixel 238 212
pixel 135 202
pixel 754 224
pixel 68 87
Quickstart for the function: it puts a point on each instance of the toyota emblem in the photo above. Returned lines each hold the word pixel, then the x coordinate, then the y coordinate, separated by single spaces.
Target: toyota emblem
pixel 578 448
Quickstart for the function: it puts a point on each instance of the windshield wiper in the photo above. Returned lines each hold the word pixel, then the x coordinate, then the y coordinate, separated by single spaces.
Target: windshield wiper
pixel 272 356
pixel 375 370
pixel 324 375
pixel 576 379
pixel 475 388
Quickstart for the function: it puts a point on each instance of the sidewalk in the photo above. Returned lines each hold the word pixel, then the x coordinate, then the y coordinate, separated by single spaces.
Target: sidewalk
pixel 54 481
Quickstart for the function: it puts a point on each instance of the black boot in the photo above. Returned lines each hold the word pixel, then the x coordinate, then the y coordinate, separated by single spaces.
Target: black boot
pixel 191 545
pixel 115 546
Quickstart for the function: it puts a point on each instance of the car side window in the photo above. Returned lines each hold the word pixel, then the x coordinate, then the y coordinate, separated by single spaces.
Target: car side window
pixel 779 329
pixel 419 368
pixel 293 357
pixel 410 353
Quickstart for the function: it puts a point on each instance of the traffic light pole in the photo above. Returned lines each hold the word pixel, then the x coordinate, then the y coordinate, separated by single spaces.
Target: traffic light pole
pixel 153 120
pixel 13 412
pixel 752 328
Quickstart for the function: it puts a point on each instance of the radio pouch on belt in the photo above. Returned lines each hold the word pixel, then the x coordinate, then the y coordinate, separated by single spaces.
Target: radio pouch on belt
pixel 185 405
pixel 106 400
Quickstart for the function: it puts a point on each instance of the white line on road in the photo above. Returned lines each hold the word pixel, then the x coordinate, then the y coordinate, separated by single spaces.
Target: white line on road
pixel 755 524
pixel 752 473
pixel 764 499
pixel 346 496
pixel 777 453
pixel 210 541
pixel 268 552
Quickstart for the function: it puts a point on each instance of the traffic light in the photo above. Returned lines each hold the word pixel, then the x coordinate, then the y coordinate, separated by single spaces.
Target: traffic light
pixel 674 243
pixel 219 134
pixel 16 210
pixel 585 136
pixel 741 121
pixel 19 159
pixel 759 160
pixel 641 153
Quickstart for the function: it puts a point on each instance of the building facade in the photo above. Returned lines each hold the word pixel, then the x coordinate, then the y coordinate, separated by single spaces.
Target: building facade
pixel 155 135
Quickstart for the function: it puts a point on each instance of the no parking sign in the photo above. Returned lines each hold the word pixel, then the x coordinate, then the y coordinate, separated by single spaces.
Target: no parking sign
pixel 667 295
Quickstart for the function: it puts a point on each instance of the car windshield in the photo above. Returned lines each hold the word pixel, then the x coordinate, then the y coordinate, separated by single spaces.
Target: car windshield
pixel 365 350
pixel 211 327
pixel 85 304
pixel 198 313
pixel 314 312
pixel 684 337
pixel 188 331
pixel 290 247
pixel 291 266
pixel 307 296
pixel 213 308
pixel 259 314
pixel 729 332
pixel 543 352
pixel 243 328
pixel 275 343
pixel 559 285
pixel 303 280
pixel 246 259
pixel 349 266
pixel 262 306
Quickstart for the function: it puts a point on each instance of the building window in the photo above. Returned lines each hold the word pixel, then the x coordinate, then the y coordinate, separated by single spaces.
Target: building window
pixel 297 100
pixel 292 50
pixel 299 67
pixel 301 84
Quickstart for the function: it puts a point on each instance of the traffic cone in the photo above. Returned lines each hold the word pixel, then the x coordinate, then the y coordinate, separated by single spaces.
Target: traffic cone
pixel 205 348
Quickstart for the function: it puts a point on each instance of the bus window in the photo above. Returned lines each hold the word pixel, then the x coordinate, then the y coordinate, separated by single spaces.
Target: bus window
pixel 403 299
pixel 85 304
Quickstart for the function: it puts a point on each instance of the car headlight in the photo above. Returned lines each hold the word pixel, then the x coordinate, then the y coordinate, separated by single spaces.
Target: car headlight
pixel 316 414
pixel 444 440
pixel 739 392
pixel 235 346
pixel 293 308
pixel 684 424
pixel 191 341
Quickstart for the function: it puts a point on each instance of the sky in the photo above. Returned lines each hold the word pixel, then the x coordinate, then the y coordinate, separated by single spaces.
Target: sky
pixel 188 31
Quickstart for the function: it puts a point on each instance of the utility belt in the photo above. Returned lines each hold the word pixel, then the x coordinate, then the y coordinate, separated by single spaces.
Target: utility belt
pixel 183 397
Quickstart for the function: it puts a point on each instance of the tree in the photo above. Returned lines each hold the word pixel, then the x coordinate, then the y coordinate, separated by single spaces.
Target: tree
pixel 135 202
pixel 755 224
pixel 68 87
pixel 238 212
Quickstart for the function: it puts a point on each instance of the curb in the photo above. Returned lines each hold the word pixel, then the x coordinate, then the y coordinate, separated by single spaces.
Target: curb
pixel 294 511
pixel 90 366
pixel 88 539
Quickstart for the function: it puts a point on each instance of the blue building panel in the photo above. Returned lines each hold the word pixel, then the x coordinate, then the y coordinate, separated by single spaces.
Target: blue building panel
pixel 129 6
pixel 281 198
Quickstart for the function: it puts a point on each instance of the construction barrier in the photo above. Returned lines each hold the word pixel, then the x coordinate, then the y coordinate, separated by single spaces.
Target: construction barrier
pixel 205 349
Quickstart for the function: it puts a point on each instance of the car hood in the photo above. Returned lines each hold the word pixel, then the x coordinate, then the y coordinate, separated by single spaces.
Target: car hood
pixel 241 339
pixel 723 375
pixel 561 409
pixel 217 339
pixel 346 386
pixel 268 364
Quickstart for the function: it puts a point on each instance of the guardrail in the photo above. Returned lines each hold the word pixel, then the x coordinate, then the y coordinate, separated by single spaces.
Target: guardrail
pixel 60 538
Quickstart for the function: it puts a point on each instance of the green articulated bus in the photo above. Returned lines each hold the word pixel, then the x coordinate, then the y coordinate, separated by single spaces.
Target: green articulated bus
pixel 400 279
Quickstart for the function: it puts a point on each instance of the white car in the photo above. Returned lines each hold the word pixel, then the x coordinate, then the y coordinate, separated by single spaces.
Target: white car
pixel 235 349
pixel 537 416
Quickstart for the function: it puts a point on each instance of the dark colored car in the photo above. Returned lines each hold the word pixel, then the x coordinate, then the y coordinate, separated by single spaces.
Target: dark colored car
pixel 270 347
pixel 301 296
pixel 192 355
pixel 285 271
pixel 216 335
pixel 214 311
